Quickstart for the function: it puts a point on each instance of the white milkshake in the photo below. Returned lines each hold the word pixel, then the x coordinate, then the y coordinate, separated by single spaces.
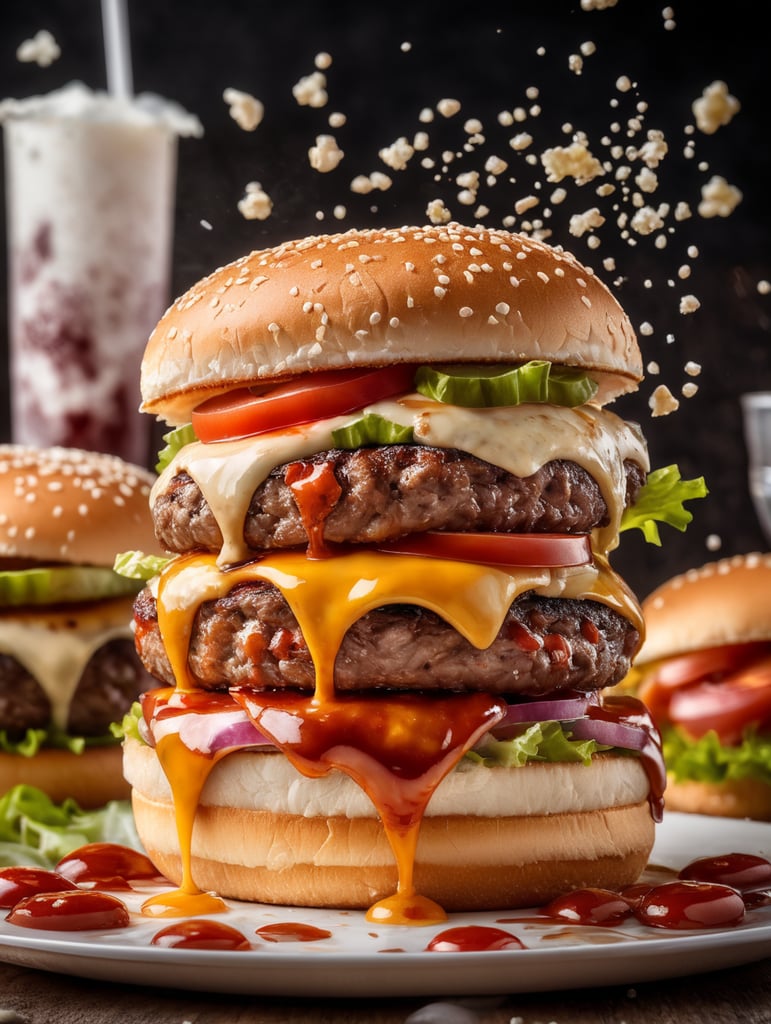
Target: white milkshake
pixel 90 192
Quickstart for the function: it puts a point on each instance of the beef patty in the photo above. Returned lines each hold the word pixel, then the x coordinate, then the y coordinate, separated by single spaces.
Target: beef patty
pixel 111 681
pixel 251 637
pixel 390 491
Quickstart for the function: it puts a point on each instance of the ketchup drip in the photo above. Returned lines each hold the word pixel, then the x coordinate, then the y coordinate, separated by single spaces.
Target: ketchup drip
pixel 630 711
pixel 316 491
pixel 398 749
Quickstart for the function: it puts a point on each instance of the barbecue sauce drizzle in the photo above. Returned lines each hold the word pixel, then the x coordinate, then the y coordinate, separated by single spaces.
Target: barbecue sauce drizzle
pixel 379 743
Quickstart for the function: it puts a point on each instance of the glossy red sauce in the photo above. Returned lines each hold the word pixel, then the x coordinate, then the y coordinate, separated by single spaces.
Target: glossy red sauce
pixel 589 906
pixel 681 906
pixel 72 910
pixel 107 866
pixel 18 882
pixel 473 939
pixel 292 931
pixel 740 870
pixel 316 491
pixel 194 933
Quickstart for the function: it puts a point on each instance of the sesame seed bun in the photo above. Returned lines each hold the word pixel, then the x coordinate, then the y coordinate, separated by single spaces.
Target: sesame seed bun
pixel 378 297
pixel 72 506
pixel 722 602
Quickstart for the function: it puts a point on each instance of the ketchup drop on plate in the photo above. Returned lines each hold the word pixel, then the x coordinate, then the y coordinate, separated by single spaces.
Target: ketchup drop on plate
pixel 72 910
pixel 472 939
pixel 686 904
pixel 589 906
pixel 18 882
pixel 289 931
pixel 200 934
pixel 740 870
pixel 107 866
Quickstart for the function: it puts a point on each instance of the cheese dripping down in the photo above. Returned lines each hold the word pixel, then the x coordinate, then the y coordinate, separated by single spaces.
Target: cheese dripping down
pixel 397 747
pixel 520 439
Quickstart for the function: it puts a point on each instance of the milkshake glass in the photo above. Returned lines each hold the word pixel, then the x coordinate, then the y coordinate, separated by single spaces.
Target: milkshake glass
pixel 90 190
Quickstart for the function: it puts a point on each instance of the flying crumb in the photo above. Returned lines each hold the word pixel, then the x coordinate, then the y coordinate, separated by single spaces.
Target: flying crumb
pixel 437 212
pixel 714 108
pixel 714 542
pixel 718 198
pixel 764 287
pixel 574 161
pixel 322 61
pixel 662 402
pixel 246 110
pixel 256 203
pixel 597 5
pixel 397 155
pixel 326 154
pixel 689 304
pixel 448 107
pixel 311 91
pixel 42 49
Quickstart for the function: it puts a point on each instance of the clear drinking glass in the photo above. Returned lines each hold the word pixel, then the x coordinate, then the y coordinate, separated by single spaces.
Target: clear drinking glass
pixel 90 195
pixel 756 410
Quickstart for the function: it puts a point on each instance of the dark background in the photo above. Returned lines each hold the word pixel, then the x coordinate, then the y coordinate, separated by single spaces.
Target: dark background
pixel 486 56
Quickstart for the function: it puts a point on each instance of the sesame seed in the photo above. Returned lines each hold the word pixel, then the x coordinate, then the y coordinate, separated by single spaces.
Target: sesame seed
pixel 465 311
pixel 440 292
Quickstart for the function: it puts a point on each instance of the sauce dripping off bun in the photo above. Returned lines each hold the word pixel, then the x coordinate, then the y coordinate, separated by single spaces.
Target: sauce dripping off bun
pixel 344 712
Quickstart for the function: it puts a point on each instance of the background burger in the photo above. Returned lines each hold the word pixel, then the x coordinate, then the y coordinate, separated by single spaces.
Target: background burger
pixel 705 673
pixel 68 667
pixel 390 615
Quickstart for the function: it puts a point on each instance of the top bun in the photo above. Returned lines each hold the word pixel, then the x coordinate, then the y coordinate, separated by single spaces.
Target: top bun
pixel 724 602
pixel 378 297
pixel 72 506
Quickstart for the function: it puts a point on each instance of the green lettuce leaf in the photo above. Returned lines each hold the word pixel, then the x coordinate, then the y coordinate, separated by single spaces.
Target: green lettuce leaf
pixel 707 760
pixel 33 739
pixel 34 830
pixel 175 440
pixel 541 741
pixel 661 501
pixel 139 566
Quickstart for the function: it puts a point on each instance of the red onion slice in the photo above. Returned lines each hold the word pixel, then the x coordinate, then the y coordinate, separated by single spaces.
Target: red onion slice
pixel 564 710
pixel 612 734
pixel 208 733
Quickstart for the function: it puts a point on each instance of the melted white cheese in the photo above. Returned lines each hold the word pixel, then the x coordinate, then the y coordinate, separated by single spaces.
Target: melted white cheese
pixel 55 652
pixel 519 439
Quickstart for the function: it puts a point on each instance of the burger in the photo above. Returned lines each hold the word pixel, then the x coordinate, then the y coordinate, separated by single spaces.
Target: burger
pixel 68 666
pixel 388 615
pixel 705 673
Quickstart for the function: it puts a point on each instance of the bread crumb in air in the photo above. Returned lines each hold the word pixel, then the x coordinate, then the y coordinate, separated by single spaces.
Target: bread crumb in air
pixel 714 108
pixel 246 110
pixel 397 155
pixel 662 402
pixel 311 90
pixel 42 49
pixel 714 542
pixel 689 304
pixel 326 154
pixel 718 198
pixel 256 204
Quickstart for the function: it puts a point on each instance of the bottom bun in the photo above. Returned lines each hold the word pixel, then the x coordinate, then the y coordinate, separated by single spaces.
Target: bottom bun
pixel 92 778
pixel 464 861
pixel 737 798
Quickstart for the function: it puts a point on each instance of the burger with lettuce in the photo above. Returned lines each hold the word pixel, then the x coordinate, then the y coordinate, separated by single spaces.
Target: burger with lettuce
pixel 392 494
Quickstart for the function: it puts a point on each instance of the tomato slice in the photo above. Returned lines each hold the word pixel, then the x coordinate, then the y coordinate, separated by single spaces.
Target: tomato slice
pixel 713 664
pixel 529 550
pixel 728 705
pixel 314 396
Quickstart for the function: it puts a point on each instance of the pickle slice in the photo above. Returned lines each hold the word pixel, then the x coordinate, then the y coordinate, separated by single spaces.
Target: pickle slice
pixel 63 584
pixel 371 429
pixel 484 386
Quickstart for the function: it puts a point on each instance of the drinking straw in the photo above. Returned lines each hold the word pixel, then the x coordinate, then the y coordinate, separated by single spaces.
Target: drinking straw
pixel 117 48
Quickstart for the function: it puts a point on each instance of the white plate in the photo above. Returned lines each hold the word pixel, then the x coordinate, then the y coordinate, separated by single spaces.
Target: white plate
pixel 362 960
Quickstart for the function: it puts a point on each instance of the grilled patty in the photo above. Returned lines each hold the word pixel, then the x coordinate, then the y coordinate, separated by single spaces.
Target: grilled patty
pixel 390 491
pixel 111 681
pixel 251 637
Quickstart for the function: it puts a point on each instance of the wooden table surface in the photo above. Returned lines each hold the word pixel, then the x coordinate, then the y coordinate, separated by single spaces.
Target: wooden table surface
pixel 740 994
